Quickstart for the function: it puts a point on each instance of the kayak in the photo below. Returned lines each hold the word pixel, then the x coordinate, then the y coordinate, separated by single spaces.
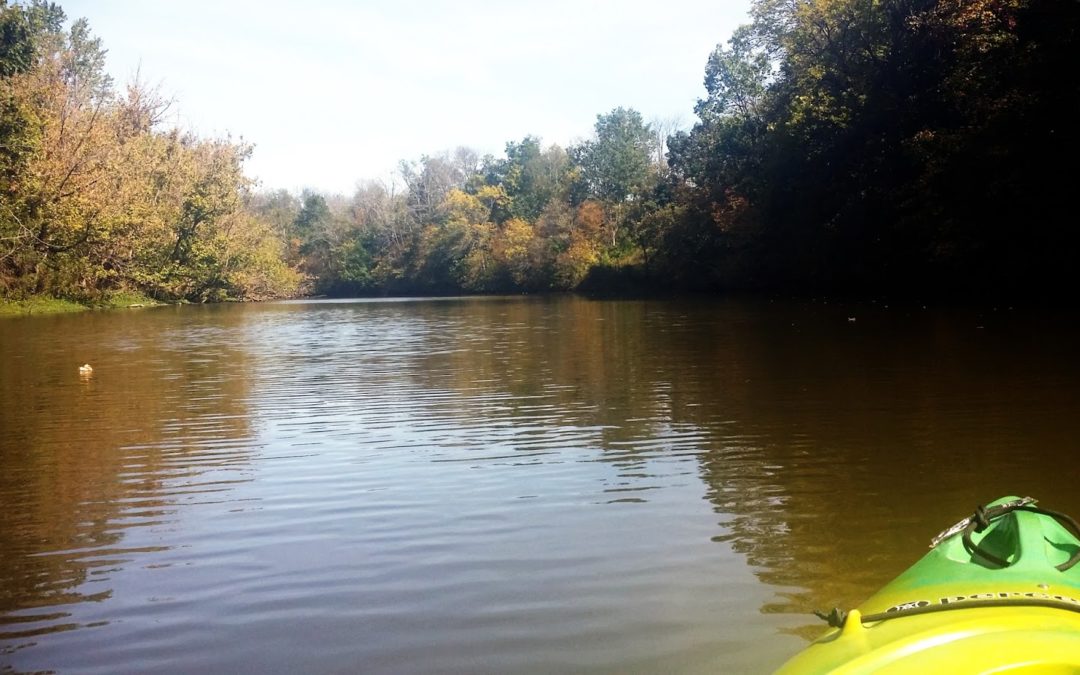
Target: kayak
pixel 998 593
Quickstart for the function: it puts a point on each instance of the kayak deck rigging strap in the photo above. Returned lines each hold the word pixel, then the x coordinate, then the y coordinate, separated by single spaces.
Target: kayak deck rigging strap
pixel 837 617
pixel 980 515
pixel 984 516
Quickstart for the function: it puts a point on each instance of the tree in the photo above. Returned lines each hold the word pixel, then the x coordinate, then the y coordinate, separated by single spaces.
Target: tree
pixel 59 149
pixel 662 129
pixel 95 197
pixel 429 181
pixel 456 254
pixel 615 166
pixel 23 28
pixel 531 176
pixel 513 250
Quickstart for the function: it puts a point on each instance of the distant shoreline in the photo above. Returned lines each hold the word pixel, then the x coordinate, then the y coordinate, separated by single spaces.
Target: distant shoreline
pixel 47 305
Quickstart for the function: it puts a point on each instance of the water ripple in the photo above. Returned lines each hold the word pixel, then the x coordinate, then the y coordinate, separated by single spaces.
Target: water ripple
pixel 488 485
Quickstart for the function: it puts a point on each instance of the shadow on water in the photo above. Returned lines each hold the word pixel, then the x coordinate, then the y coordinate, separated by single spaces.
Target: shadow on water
pixel 834 441
pixel 861 440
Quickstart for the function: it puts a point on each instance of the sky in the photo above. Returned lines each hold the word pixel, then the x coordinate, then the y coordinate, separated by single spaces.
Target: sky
pixel 333 93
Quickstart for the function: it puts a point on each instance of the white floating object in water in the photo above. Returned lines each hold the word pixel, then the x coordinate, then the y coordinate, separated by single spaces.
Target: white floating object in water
pixel 85 369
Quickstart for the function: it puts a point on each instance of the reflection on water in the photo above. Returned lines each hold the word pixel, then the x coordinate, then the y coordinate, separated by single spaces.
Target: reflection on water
pixel 492 485
pixel 95 468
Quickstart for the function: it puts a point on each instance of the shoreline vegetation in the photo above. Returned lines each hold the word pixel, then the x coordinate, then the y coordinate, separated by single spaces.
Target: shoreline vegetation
pixel 903 148
pixel 36 305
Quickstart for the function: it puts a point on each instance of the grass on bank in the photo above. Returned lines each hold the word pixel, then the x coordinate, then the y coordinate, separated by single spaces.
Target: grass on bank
pixel 50 305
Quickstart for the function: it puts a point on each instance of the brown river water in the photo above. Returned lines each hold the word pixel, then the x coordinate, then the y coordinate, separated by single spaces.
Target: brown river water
pixel 494 485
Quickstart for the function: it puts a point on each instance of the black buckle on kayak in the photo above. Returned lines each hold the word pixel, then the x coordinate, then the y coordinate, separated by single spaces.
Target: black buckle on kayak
pixel 835 618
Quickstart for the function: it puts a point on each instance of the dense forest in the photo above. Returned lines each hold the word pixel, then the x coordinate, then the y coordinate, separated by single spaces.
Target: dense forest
pixel 894 146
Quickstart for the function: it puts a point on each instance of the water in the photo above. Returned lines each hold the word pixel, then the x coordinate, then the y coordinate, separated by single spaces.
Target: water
pixel 498 485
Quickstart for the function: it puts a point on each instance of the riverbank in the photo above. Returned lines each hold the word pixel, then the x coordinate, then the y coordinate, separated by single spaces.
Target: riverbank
pixel 51 305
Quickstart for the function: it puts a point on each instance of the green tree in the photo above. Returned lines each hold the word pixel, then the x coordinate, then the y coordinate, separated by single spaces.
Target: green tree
pixel 22 31
pixel 531 176
pixel 615 164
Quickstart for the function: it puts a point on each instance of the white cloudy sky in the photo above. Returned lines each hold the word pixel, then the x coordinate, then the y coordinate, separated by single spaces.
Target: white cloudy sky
pixel 332 92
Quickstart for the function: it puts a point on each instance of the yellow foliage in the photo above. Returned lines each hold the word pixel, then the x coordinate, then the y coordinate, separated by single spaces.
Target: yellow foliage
pixel 96 199
pixel 573 264
pixel 513 249
pixel 462 207
pixel 492 196
pixel 517 235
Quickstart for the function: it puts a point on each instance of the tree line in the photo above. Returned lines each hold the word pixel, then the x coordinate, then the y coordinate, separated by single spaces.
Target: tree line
pixel 842 145
pixel 537 219
pixel 896 145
